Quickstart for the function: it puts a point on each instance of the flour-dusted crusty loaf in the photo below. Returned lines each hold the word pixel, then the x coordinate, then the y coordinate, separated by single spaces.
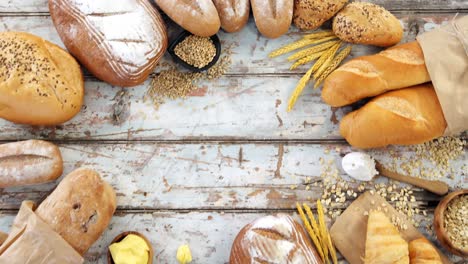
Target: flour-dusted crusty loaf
pixel 397 67
pixel 118 42
pixel 79 209
pixel 233 14
pixel 421 251
pixel 199 17
pixel 273 17
pixel 402 117
pixel 273 239
pixel 384 244
pixel 367 23
pixel 29 162
pixel 311 14
pixel 40 83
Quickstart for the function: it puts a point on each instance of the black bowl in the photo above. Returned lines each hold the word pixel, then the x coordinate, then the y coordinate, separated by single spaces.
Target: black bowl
pixel 178 60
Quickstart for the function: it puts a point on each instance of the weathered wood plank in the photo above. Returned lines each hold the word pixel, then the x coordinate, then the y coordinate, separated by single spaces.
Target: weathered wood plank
pixel 209 176
pixel 209 234
pixel 41 5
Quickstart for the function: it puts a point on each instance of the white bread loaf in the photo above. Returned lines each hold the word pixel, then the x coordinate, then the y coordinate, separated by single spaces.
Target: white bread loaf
pixel 233 14
pixel 79 209
pixel 273 17
pixel 29 162
pixel 273 239
pixel 40 83
pixel 397 67
pixel 311 14
pixel 118 42
pixel 199 17
pixel 403 117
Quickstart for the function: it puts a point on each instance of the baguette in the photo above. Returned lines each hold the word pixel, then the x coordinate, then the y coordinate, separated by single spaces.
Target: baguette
pixel 79 209
pixel 272 17
pixel 233 14
pixel 402 117
pixel 398 67
pixel 199 17
pixel 29 162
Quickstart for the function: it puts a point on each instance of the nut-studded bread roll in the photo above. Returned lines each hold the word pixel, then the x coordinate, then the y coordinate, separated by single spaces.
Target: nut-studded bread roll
pixel 367 23
pixel 233 14
pixel 120 43
pixel 79 209
pixel 397 67
pixel 273 239
pixel 402 117
pixel 29 162
pixel 421 251
pixel 311 14
pixel 40 83
pixel 199 17
pixel 273 17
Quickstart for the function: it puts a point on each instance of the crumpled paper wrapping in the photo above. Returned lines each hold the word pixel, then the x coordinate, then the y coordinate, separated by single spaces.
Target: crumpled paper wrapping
pixel 446 55
pixel 33 241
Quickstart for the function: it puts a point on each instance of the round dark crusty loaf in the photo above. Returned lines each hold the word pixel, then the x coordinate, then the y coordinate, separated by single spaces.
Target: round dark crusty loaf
pixel 118 43
pixel 273 239
pixel 79 209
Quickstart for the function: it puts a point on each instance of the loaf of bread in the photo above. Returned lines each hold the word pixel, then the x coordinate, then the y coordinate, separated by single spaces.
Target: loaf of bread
pixel 273 239
pixel 79 209
pixel 272 17
pixel 367 23
pixel 40 83
pixel 403 117
pixel 311 14
pixel 29 162
pixel 397 67
pixel 119 43
pixel 199 17
pixel 421 251
pixel 233 14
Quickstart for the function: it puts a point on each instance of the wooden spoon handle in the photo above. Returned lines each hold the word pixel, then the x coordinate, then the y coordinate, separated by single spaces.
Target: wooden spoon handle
pixel 437 187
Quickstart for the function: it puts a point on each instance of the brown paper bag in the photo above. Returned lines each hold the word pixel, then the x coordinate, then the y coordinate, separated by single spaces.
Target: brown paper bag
pixel 33 241
pixel 446 55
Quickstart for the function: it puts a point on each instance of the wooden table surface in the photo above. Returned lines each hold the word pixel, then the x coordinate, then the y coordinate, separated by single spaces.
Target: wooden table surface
pixel 197 170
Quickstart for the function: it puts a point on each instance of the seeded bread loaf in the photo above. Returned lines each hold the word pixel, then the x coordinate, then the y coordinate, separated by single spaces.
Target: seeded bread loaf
pixel 29 162
pixel 367 23
pixel 118 43
pixel 79 209
pixel 272 17
pixel 199 17
pixel 233 14
pixel 311 14
pixel 397 67
pixel 273 239
pixel 402 117
pixel 40 83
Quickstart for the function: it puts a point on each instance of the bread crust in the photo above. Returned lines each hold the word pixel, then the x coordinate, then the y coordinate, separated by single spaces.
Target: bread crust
pixel 273 18
pixel 233 14
pixel 199 17
pixel 40 83
pixel 79 209
pixel 403 117
pixel 119 44
pixel 397 67
pixel 311 14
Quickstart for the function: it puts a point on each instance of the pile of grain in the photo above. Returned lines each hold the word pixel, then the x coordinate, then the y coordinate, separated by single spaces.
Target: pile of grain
pixel 456 221
pixel 196 51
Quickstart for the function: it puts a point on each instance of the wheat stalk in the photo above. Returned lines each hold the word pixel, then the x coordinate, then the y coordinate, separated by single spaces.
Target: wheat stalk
pixel 311 232
pixel 326 56
pixel 299 88
pixel 319 34
pixel 309 51
pixel 307 59
pixel 334 64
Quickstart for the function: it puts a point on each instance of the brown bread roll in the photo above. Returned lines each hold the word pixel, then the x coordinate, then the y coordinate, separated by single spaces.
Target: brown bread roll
pixel 311 14
pixel 233 14
pixel 40 83
pixel 397 67
pixel 273 239
pixel 79 209
pixel 29 162
pixel 421 251
pixel 367 23
pixel 119 43
pixel 196 16
pixel 403 117
pixel 272 17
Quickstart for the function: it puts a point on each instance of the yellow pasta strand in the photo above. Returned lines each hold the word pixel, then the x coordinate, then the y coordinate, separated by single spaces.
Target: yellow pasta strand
pixel 299 88
pixel 311 232
pixel 335 63
pixel 312 50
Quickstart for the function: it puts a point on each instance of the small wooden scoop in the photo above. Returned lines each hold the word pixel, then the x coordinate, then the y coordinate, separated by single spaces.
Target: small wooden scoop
pixel 437 187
